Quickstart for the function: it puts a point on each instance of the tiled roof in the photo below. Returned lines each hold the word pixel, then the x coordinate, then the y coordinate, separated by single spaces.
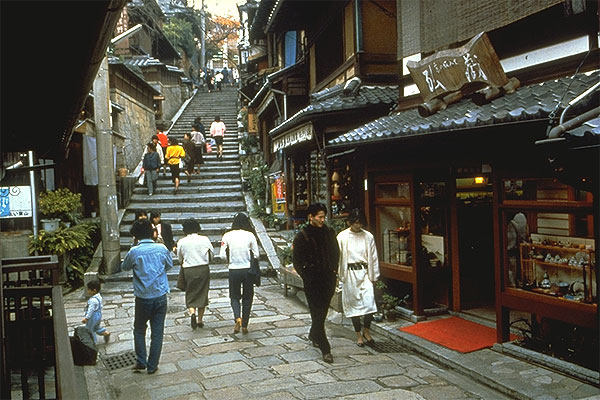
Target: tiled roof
pixel 591 127
pixel 333 99
pixel 526 103
pixel 142 61
pixel 148 61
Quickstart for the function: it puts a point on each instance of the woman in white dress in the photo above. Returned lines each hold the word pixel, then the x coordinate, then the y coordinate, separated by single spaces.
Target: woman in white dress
pixel 358 270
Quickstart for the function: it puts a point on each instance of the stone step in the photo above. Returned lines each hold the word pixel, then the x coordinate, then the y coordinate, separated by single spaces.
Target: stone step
pixel 203 187
pixel 171 206
pixel 204 217
pixel 207 229
pixel 191 197
pixel 217 271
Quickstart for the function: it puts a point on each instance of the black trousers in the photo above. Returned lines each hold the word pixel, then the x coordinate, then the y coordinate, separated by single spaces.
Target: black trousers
pixel 318 296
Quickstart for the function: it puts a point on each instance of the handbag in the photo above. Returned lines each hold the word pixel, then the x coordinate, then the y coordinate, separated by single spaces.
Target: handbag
pixel 208 147
pixel 180 280
pixel 255 270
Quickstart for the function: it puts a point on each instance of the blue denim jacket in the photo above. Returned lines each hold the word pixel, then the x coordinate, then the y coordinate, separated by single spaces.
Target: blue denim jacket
pixel 150 262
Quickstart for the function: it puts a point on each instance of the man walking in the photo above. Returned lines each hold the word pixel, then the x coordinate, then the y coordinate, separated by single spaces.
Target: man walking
pixel 315 257
pixel 150 262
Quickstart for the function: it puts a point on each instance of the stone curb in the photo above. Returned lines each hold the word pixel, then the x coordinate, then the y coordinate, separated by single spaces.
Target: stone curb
pixel 263 237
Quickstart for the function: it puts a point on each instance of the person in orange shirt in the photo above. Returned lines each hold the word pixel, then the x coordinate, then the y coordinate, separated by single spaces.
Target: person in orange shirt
pixel 175 153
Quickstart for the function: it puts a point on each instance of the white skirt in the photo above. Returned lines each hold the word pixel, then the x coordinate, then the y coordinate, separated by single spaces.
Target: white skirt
pixel 358 296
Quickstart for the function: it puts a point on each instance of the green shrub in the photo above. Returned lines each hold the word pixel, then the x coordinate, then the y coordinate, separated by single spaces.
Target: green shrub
pixel 60 203
pixel 78 242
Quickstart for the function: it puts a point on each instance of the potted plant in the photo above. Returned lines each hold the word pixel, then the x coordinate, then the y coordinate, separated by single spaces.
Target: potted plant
pixel 56 205
pixel 388 302
pixel 73 246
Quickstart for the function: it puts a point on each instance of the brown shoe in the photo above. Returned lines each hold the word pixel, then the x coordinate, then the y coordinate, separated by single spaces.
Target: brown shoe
pixel 328 358
pixel 238 325
pixel 244 330
pixel 107 337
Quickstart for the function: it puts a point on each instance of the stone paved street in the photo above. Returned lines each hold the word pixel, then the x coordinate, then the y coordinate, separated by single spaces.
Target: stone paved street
pixel 273 361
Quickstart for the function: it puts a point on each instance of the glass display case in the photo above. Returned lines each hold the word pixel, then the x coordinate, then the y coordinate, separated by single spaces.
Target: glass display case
pixel 394 222
pixel 341 189
pixel 559 266
pixel 549 239
pixel 301 193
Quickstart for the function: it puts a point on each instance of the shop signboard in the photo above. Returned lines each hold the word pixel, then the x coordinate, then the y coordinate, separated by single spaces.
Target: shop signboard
pixel 15 202
pixel 475 64
pixel 303 133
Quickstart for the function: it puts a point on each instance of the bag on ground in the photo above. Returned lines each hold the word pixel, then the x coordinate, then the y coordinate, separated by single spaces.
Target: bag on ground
pixel 83 347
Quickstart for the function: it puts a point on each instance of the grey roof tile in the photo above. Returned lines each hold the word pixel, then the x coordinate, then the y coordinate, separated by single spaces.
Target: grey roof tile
pixel 526 103
pixel 332 99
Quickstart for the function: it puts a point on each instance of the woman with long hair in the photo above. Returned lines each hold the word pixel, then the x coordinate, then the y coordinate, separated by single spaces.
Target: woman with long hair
pixel 173 156
pixel 238 246
pixel 194 252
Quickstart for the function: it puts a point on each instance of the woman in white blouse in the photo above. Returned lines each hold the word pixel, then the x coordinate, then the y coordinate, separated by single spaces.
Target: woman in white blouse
pixel 358 270
pixel 238 246
pixel 194 252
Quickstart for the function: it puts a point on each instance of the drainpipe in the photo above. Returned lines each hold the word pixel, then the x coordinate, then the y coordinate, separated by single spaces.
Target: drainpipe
pixel 277 91
pixel 34 197
pixel 573 123
pixel 358 25
pixel 577 100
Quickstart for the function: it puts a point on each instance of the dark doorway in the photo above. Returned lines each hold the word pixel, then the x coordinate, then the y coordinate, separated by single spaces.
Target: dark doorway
pixel 476 251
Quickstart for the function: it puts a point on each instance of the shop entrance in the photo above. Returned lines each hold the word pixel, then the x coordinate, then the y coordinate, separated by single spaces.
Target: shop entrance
pixel 476 246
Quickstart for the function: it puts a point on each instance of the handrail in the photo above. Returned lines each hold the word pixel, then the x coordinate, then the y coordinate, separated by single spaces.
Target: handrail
pixel 36 265
pixel 35 329
pixel 65 369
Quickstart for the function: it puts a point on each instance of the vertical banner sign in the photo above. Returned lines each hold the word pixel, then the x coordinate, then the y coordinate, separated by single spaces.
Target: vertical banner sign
pixel 278 196
pixel 15 202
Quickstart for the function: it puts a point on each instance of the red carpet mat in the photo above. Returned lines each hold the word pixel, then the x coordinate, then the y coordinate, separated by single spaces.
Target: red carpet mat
pixel 454 333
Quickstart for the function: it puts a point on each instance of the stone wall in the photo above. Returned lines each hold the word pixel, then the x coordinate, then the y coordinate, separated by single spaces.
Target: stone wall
pixel 175 95
pixel 135 125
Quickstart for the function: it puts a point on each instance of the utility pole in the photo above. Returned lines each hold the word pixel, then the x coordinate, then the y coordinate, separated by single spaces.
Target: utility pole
pixel 202 37
pixel 107 188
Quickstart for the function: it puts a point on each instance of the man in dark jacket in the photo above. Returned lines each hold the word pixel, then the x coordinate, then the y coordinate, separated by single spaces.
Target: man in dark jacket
pixel 315 255
pixel 151 165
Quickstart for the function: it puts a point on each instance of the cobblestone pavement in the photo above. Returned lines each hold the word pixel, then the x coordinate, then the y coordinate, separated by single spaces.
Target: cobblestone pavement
pixel 273 361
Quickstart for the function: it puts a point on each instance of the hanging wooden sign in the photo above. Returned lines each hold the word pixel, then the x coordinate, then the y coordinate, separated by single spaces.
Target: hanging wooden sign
pixel 466 69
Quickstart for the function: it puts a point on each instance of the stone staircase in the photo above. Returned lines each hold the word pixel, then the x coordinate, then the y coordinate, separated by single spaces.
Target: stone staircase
pixel 212 197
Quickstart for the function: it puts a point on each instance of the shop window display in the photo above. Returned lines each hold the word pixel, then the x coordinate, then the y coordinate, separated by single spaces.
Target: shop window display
pixel 341 190
pixel 433 212
pixel 394 222
pixel 550 251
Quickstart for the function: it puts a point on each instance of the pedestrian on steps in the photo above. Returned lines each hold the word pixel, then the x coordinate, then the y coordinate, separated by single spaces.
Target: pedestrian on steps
pixel 217 131
pixel 164 232
pixel 358 270
pixel 190 153
pixel 150 262
pixel 238 246
pixel 315 255
pixel 164 143
pixel 174 154
pixel 151 166
pixel 194 252
pixel 199 140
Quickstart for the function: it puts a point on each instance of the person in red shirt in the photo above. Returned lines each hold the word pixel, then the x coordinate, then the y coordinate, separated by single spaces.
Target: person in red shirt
pixel 164 143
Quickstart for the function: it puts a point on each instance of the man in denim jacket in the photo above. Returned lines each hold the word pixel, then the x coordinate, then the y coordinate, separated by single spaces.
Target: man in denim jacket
pixel 150 262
